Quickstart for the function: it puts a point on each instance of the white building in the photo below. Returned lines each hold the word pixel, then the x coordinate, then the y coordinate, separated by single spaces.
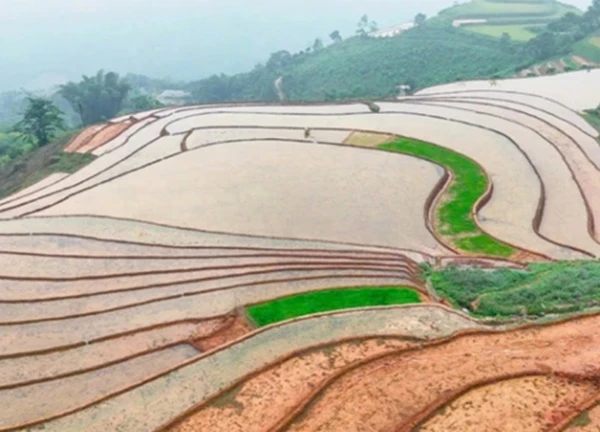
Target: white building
pixel 392 31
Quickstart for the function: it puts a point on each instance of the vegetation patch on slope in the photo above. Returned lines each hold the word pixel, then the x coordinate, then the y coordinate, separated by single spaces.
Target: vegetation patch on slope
pixel 329 300
pixel 588 48
pixel 519 19
pixel 454 214
pixel 36 165
pixel 516 32
pixel 540 289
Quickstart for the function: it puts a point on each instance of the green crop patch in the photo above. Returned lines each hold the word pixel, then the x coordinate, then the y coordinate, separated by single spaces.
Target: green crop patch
pixel 454 215
pixel 329 300
pixel 538 290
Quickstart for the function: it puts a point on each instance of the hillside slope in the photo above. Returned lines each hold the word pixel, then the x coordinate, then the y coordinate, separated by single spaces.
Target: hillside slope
pixel 369 67
pixel 521 19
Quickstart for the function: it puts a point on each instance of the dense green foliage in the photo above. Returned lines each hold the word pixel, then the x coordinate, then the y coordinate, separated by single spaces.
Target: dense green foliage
pixel 369 67
pixel 565 34
pixel 41 122
pixel 98 98
pixel 539 290
pixel 12 146
pixel 329 300
pixel 455 212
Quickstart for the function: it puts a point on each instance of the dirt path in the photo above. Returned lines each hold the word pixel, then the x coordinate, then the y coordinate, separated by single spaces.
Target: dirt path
pixel 279 88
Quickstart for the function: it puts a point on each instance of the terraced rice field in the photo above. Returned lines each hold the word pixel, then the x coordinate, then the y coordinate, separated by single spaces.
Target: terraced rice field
pixel 126 287
pixel 516 18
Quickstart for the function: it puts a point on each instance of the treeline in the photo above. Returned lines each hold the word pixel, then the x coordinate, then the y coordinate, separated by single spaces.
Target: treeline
pixel 367 67
pixel 560 35
pixel 94 99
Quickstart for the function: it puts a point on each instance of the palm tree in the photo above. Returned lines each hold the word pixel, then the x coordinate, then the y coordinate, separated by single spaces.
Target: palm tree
pixel 98 98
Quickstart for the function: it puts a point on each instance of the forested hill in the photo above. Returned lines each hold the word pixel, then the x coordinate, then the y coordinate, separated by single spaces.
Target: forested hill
pixel 369 67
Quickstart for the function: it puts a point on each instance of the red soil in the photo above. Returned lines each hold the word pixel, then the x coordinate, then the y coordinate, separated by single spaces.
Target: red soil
pixel 261 402
pixel 529 404
pixel 83 138
pixel 401 390
pixel 232 328
pixel 104 136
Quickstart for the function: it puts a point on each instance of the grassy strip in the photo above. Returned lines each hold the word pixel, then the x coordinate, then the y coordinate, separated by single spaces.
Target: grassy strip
pixel 330 300
pixel 540 289
pixel 454 215
pixel 518 33
pixel 570 63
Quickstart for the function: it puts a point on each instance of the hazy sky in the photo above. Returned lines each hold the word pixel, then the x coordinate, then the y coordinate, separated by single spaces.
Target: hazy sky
pixel 46 40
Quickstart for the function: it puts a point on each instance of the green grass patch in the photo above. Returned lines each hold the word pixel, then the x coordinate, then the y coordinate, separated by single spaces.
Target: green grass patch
pixel 454 215
pixel 329 300
pixel 587 50
pixel 582 420
pixel 540 289
pixel 516 32
pixel 595 41
pixel 571 64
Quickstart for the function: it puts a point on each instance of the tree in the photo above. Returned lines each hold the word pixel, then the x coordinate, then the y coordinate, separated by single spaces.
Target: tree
pixel 420 19
pixel 144 103
pixel 362 25
pixel 335 36
pixel 98 98
pixel 279 60
pixel 505 41
pixel 41 121
pixel 318 45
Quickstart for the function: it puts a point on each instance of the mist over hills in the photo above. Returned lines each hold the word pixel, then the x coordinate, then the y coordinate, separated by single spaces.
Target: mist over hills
pixel 46 43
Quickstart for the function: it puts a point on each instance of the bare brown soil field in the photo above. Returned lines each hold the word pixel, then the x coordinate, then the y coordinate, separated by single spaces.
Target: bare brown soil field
pixel 103 136
pixel 232 328
pixel 249 406
pixel 84 137
pixel 401 390
pixel 188 386
pixel 123 138
pixel 530 404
